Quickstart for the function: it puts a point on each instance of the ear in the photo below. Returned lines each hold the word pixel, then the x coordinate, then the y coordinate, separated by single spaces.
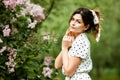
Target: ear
pixel 86 27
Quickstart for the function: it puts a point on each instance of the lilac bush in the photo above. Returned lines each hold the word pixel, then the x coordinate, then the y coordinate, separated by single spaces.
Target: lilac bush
pixel 19 55
pixel 19 19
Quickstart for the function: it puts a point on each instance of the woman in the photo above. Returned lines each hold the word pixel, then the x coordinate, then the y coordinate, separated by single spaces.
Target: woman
pixel 74 58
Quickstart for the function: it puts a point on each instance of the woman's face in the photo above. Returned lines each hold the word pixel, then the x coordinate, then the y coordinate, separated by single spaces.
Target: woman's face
pixel 77 24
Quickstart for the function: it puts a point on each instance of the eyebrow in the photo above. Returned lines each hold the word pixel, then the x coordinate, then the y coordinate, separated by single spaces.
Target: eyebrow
pixel 78 19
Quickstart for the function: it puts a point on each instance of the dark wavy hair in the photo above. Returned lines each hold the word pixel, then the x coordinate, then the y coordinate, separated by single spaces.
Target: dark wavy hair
pixel 88 18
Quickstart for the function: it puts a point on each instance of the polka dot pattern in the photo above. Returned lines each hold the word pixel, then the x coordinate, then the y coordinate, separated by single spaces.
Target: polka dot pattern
pixel 81 48
pixel 79 76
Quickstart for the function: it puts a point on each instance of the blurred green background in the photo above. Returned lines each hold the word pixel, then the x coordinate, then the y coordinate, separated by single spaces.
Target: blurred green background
pixel 106 53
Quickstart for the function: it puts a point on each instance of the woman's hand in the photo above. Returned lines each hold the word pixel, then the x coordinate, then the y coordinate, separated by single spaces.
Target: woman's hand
pixel 67 42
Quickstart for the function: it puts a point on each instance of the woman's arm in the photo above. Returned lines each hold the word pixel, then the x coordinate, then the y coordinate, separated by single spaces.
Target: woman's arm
pixel 58 61
pixel 70 64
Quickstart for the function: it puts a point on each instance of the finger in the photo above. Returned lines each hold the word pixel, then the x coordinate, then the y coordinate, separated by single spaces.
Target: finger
pixel 65 38
pixel 68 38
pixel 72 39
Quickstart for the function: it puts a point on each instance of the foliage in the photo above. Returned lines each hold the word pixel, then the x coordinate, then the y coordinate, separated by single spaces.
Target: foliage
pixel 20 57
pixel 105 54
pixel 31 48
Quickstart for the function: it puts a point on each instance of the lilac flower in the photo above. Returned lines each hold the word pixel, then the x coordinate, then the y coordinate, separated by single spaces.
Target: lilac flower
pixel 32 25
pixel 34 10
pixel 20 2
pixel 6 31
pixel 10 66
pixel 11 63
pixel 1 41
pixel 48 60
pixel 37 12
pixel 26 10
pixel 27 2
pixel 47 72
pixel 11 4
pixel 29 20
pixel 3 49
pixel 11 70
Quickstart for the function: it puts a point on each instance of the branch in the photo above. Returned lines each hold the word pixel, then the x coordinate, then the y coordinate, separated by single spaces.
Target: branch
pixel 50 8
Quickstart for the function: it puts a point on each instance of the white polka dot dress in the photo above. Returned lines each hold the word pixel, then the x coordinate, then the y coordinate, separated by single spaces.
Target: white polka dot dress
pixel 81 48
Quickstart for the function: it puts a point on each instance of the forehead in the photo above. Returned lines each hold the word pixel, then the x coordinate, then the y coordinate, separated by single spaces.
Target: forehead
pixel 77 16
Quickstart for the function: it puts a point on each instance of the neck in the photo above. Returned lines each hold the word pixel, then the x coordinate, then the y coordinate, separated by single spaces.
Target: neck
pixel 77 33
pixel 73 34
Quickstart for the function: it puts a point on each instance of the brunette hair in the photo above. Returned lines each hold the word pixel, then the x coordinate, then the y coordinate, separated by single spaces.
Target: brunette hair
pixel 88 19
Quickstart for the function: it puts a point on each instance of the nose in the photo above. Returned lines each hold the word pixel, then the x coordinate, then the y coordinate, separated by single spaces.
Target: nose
pixel 73 23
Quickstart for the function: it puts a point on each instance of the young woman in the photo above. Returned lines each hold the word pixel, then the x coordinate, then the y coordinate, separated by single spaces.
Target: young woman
pixel 74 57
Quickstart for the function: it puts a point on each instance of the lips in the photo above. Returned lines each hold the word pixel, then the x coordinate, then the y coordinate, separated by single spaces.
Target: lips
pixel 72 27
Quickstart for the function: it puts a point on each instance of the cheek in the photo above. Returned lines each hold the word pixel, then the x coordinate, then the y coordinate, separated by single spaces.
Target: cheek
pixel 78 25
pixel 71 23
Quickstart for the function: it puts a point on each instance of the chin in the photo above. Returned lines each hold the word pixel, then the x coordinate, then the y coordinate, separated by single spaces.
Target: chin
pixel 72 30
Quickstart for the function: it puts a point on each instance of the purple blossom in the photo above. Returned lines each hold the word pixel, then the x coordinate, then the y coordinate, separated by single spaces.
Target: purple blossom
pixel 47 72
pixel 32 25
pixel 3 49
pixel 48 60
pixel 35 10
pixel 11 56
pixel 11 4
pixel 20 2
pixel 1 41
pixel 6 31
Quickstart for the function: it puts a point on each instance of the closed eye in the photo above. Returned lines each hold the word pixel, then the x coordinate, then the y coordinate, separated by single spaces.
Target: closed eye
pixel 78 21
pixel 72 19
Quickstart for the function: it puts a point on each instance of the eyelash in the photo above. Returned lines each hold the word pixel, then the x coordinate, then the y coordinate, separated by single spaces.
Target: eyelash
pixel 77 20
pixel 72 19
